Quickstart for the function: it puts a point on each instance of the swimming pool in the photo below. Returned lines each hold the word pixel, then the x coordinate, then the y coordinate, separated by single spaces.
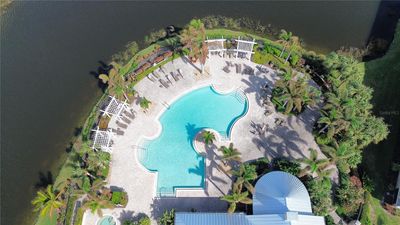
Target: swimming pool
pixel 172 153
pixel 107 220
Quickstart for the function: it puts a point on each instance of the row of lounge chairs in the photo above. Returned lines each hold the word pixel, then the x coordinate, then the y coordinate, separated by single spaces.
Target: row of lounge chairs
pixel 237 66
pixel 165 78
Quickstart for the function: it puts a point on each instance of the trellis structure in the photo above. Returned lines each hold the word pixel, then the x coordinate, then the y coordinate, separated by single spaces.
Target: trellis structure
pixel 245 47
pixel 216 45
pixel 102 140
pixel 115 108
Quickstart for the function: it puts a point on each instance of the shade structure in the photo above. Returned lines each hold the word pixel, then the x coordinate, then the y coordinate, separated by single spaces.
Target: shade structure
pixel 115 108
pixel 279 192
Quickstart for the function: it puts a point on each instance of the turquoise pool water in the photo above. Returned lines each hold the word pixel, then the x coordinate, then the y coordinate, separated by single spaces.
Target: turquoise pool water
pixel 107 220
pixel 172 153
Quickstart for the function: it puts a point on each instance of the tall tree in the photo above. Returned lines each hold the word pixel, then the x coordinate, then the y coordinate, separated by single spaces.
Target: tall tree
pixel 193 39
pixel 208 137
pixel 116 83
pixel 230 154
pixel 294 43
pixel 293 94
pixel 235 198
pixel 284 38
pixel 338 153
pixel 313 164
pixel 245 174
pixel 47 202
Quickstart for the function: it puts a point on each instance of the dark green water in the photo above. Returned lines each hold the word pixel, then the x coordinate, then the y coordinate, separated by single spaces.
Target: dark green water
pixel 48 50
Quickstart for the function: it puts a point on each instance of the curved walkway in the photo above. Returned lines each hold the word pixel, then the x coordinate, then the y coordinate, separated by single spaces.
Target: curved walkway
pixel 290 140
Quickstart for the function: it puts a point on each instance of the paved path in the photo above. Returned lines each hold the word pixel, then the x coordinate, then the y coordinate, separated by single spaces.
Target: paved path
pixel 290 140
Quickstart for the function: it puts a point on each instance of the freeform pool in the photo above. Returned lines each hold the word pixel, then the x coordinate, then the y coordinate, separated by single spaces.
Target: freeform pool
pixel 172 154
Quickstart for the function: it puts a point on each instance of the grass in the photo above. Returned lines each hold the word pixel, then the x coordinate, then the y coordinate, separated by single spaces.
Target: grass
pixel 264 58
pixel 47 220
pixel 374 214
pixel 383 76
pixel 217 33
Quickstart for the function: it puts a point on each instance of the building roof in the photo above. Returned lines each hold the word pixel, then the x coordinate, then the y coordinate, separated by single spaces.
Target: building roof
pixel 211 219
pixel 280 199
pixel 279 192
pixel 243 219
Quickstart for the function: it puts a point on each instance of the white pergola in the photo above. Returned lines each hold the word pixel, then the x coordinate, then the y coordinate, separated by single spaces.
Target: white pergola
pixel 102 140
pixel 115 108
pixel 216 45
pixel 244 46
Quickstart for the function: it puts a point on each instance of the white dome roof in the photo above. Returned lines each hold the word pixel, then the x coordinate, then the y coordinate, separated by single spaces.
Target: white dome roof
pixel 280 192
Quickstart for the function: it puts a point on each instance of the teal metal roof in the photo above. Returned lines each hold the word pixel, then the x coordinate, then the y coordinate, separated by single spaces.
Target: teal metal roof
pixel 279 192
pixel 211 219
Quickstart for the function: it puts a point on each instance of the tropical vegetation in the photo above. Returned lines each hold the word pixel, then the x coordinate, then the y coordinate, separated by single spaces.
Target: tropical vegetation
pixel 167 217
pixel 236 197
pixel 230 154
pixel 292 94
pixel 346 127
pixel 193 39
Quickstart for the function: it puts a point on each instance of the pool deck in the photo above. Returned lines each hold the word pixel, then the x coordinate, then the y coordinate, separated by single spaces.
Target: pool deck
pixel 291 140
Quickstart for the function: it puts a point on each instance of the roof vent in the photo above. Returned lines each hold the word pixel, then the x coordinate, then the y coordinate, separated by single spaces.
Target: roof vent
pixel 291 216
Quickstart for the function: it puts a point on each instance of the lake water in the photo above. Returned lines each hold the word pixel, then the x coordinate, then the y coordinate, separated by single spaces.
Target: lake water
pixel 48 50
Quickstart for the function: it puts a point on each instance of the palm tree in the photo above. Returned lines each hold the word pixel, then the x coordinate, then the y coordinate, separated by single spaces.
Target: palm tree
pixel 193 39
pixel 284 38
pixel 245 175
pixel 80 172
pixel 145 103
pixel 116 82
pixel 338 153
pixel 96 205
pixel 313 164
pixel 208 137
pixel 230 154
pixel 235 198
pixel 294 43
pixel 47 201
pixel 292 94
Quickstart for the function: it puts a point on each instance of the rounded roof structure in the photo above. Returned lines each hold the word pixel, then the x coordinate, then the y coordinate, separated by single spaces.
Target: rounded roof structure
pixel 279 192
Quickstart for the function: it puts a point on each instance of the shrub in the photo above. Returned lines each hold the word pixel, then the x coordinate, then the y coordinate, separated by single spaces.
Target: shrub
pixel 294 59
pixel 350 194
pixel 116 197
pixel 168 217
pixel 119 198
pixel 329 220
pixel 145 221
pixel 124 56
pixel 155 36
pixel 320 195
pixel 262 165
pixel 285 165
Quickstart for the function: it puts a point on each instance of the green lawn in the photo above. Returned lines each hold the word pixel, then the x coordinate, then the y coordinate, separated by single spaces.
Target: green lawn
pixel 47 220
pixel 375 214
pixel 383 75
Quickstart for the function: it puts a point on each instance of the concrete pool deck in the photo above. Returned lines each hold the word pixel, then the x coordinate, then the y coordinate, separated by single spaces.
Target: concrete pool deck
pixel 291 140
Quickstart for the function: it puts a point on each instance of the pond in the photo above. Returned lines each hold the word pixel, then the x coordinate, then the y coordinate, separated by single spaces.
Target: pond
pixel 49 51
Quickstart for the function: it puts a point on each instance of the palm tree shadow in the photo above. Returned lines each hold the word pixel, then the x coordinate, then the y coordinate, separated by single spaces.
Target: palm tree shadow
pixel 44 180
pixel 282 141
pixel 191 131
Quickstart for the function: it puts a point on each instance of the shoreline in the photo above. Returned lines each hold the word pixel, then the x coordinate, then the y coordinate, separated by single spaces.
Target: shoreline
pixel 76 140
